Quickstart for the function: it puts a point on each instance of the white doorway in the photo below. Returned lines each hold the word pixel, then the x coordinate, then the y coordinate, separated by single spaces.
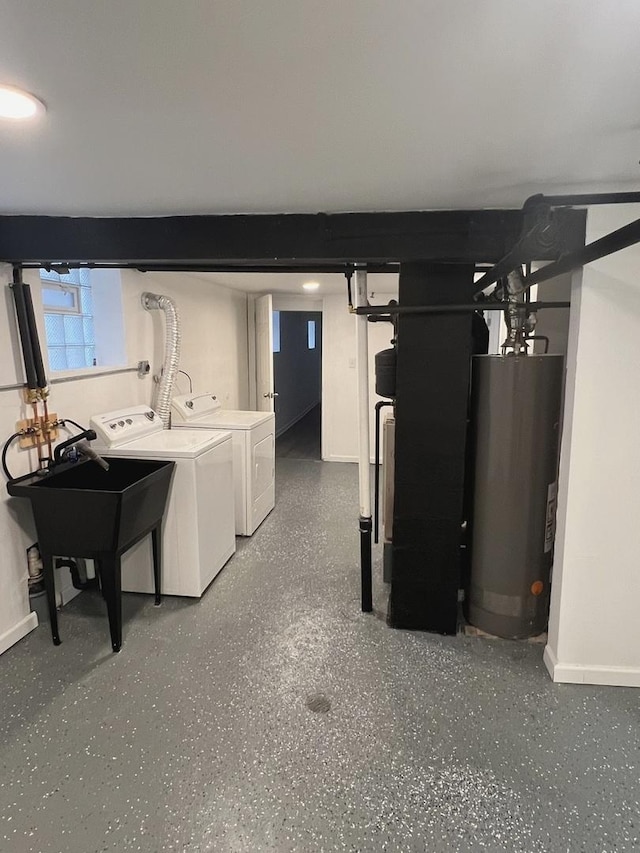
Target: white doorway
pixel 288 370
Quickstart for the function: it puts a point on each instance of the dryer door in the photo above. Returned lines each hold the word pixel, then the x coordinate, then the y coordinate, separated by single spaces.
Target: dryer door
pixel 263 473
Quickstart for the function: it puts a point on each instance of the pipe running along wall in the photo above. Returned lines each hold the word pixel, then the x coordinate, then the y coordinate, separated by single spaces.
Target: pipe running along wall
pixel 364 456
pixel 153 301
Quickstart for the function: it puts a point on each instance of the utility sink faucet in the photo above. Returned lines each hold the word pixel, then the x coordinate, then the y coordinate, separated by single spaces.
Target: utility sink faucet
pixel 76 446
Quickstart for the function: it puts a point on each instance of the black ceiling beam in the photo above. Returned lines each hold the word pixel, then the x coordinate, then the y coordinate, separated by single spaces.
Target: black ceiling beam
pixel 274 241
pixel 231 267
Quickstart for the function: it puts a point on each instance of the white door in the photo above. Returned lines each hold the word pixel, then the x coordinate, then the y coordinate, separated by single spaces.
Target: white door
pixel 264 354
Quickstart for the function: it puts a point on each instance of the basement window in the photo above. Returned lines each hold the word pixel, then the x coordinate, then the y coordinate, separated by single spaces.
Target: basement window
pixel 311 334
pixel 82 319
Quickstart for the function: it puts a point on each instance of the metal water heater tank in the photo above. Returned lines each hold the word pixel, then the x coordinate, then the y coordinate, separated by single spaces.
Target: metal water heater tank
pixel 516 413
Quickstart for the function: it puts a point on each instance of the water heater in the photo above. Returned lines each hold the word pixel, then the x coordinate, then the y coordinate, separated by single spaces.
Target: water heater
pixel 516 412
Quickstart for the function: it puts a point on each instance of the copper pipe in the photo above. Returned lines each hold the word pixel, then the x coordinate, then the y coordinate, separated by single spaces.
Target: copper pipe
pixel 47 428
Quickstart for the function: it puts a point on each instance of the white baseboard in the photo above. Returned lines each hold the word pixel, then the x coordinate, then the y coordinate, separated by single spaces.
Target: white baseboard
pixel 24 627
pixel 575 673
pixel 353 459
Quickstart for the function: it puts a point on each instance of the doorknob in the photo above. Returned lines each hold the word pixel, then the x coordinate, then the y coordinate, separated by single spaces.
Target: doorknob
pixel 271 394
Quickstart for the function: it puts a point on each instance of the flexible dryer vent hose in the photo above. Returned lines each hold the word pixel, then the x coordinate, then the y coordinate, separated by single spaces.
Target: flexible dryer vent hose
pixel 152 301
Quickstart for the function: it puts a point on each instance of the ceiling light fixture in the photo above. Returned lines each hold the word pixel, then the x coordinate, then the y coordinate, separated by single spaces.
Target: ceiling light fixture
pixel 17 104
pixel 311 285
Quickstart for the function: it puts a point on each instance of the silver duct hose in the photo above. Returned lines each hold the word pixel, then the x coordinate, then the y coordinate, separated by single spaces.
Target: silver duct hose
pixel 152 301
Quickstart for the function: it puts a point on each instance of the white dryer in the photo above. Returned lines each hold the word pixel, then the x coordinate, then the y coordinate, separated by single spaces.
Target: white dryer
pixel 253 452
pixel 199 525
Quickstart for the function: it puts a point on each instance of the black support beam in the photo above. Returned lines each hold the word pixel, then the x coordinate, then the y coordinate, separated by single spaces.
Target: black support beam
pixel 270 241
pixel 432 384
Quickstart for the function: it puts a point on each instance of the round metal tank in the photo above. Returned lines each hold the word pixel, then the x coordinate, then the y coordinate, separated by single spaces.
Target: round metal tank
pixel 386 372
pixel 516 412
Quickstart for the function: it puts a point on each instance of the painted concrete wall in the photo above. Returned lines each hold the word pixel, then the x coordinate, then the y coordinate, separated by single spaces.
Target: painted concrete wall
pixel 297 369
pixel 594 630
pixel 554 323
pixel 214 351
pixel 339 397
pixel 339 386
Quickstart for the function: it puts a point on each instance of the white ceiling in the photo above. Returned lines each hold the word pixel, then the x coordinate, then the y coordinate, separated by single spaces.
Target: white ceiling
pixel 291 283
pixel 226 106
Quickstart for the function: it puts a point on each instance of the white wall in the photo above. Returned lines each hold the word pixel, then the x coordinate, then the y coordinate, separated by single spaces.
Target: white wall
pixel 339 385
pixel 554 322
pixel 214 352
pixel 594 629
pixel 214 332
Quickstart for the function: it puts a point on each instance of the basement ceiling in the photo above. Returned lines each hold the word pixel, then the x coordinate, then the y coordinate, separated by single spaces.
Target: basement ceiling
pixel 378 284
pixel 228 106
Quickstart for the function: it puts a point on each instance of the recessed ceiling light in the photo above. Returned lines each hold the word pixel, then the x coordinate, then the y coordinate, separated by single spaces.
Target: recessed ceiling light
pixel 311 285
pixel 16 104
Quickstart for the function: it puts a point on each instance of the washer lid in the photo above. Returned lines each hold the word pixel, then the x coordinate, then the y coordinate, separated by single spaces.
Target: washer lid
pixel 172 444
pixel 227 419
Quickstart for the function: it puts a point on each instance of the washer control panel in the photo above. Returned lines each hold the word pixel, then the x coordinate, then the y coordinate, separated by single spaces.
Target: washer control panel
pixel 188 407
pixel 125 425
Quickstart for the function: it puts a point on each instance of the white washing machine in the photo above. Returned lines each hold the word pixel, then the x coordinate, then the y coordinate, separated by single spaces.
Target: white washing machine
pixel 254 445
pixel 199 523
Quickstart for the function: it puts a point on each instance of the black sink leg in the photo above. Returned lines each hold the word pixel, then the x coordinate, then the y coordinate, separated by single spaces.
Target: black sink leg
pixel 156 541
pixel 112 591
pixel 50 586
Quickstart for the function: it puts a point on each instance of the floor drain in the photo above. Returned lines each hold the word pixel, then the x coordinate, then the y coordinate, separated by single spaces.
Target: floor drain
pixel 318 703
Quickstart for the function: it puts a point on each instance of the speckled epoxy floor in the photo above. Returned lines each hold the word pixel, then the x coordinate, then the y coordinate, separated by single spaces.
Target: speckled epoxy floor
pixel 198 737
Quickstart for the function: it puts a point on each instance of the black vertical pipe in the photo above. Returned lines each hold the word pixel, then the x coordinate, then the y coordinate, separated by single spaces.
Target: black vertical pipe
pixel 23 327
pixel 376 493
pixel 41 378
pixel 366 579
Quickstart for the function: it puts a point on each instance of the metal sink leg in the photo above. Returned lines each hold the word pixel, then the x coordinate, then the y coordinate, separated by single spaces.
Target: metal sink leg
pixel 110 575
pixel 50 587
pixel 156 541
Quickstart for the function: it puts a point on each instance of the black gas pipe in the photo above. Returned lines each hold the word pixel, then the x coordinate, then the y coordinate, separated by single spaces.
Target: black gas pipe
pixel 376 494
pixel 451 309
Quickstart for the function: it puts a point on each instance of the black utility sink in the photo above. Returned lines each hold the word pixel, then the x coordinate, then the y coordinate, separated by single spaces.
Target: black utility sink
pixel 81 510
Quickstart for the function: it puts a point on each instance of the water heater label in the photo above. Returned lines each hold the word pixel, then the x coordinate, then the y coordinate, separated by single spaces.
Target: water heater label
pixel 550 522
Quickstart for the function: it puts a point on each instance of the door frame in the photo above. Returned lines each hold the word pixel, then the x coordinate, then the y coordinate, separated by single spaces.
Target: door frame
pixel 284 302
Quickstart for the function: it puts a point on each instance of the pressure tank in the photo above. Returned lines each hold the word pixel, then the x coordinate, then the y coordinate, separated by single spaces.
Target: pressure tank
pixel 515 417
pixel 386 372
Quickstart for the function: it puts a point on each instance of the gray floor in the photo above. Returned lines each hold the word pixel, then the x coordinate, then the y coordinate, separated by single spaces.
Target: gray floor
pixel 210 731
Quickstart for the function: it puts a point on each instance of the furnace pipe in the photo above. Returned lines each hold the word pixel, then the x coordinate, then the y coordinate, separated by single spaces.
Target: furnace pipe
pixel 364 457
pixel 624 237
pixel 606 246
pixel 582 199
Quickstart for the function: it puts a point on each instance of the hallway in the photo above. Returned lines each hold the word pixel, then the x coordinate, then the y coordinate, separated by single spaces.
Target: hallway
pixel 303 439
pixel 274 716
